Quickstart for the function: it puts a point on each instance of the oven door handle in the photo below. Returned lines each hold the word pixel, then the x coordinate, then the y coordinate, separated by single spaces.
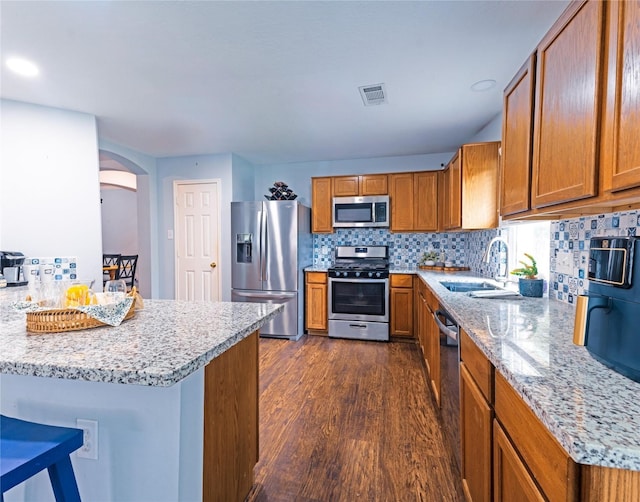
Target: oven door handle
pixel 358 279
pixel 444 329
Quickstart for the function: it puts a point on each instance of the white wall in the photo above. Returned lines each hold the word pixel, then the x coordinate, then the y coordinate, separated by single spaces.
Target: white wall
pixel 298 175
pixel 144 167
pixel 119 220
pixel 196 167
pixel 50 191
pixel 490 132
pixel 243 179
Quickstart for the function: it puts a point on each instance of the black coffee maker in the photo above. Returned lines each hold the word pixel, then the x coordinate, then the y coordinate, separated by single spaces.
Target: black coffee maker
pixel 11 263
pixel 607 318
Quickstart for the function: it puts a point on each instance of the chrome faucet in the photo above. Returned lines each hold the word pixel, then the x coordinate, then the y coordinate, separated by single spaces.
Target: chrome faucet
pixel 500 278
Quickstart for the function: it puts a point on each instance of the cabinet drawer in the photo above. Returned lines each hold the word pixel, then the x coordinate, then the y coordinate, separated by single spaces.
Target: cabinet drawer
pixel 478 365
pixel 401 281
pixel 549 464
pixel 317 277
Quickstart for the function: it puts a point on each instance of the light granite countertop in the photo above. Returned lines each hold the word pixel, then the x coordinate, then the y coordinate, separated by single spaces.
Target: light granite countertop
pixel 165 342
pixel 592 411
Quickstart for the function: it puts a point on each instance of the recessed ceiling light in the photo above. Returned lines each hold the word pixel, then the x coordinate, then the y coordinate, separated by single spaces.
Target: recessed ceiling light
pixel 483 85
pixel 22 67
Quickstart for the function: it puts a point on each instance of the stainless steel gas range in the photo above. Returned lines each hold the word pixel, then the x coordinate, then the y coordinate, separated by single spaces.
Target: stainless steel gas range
pixel 359 293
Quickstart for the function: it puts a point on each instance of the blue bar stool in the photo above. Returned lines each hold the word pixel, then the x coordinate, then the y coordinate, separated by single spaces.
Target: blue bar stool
pixel 26 448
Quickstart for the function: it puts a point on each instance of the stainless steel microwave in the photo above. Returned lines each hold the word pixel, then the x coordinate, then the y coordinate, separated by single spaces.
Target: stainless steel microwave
pixel 367 211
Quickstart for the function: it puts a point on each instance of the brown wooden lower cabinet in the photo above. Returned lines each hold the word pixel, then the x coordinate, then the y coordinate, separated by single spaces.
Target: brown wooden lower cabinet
pixel 231 422
pixel 475 437
pixel 401 305
pixel 549 464
pixel 511 480
pixel 316 313
pixel 429 336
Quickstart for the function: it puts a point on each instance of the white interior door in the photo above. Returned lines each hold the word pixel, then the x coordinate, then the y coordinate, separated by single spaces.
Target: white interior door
pixel 197 237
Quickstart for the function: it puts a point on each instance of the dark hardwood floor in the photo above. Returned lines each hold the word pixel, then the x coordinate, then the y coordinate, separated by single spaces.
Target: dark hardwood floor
pixel 346 420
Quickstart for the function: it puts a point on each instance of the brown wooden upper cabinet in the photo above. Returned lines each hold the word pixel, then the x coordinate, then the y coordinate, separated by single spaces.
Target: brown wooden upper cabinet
pixel 321 195
pixel 621 159
pixel 470 184
pixel 585 154
pixel 414 201
pixel 567 106
pixel 517 131
pixel 353 186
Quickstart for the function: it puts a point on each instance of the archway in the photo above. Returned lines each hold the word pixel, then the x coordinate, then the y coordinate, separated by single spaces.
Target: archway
pixel 124 198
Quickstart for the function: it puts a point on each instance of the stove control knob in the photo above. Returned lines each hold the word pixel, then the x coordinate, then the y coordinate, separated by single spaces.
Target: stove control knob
pixel 357 274
pixel 370 274
pixel 377 274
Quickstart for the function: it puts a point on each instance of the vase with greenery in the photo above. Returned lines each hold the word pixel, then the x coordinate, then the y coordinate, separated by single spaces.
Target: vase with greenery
pixel 529 283
pixel 429 258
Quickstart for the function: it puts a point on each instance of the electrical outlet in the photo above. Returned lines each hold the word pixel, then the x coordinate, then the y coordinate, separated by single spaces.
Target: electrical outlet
pixel 89 448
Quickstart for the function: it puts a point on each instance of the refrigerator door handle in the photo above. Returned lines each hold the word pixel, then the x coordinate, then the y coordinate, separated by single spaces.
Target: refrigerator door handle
pixel 262 228
pixel 265 246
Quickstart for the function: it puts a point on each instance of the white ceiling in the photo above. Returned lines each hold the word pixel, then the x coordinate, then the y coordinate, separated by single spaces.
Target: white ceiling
pixel 273 81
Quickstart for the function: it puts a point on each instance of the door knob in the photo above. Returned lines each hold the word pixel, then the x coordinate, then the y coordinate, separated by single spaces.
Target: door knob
pixel 213 264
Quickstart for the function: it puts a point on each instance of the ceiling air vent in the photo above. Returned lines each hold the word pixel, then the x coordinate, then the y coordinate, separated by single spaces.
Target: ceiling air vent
pixel 373 94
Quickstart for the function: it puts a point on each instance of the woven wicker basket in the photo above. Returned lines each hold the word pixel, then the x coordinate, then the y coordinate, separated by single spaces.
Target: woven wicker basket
pixel 60 320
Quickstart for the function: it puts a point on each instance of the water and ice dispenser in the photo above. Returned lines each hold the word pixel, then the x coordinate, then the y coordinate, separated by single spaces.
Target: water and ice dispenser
pixel 244 248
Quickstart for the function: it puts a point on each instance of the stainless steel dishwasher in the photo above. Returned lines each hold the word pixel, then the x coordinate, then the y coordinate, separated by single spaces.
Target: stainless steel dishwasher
pixel 450 380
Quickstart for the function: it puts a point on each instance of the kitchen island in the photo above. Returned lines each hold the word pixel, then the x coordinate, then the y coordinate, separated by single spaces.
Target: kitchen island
pixel 173 391
pixel 592 412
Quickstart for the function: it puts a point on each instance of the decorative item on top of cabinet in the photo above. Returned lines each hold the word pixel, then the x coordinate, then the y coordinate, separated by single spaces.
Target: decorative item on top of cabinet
pixel 621 126
pixel 566 130
pixel 355 185
pixel 316 308
pixel 321 199
pixel 401 305
pixel 517 130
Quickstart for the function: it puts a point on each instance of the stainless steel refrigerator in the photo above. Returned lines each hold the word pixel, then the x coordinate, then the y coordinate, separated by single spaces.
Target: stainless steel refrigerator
pixel 271 245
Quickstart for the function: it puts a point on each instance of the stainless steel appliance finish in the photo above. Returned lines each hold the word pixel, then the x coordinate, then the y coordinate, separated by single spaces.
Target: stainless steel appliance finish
pixel 450 381
pixel 11 263
pixel 359 293
pixel 367 211
pixel 271 245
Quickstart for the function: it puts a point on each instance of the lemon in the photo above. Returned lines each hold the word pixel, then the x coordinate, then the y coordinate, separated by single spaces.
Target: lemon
pixel 77 295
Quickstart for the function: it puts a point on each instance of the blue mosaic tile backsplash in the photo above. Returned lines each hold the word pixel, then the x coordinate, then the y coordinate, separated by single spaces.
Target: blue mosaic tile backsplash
pixel 569 242
pixel 464 249
pixel 570 249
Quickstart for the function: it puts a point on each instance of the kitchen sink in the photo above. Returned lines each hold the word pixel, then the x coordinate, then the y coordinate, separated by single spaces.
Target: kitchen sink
pixel 464 287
